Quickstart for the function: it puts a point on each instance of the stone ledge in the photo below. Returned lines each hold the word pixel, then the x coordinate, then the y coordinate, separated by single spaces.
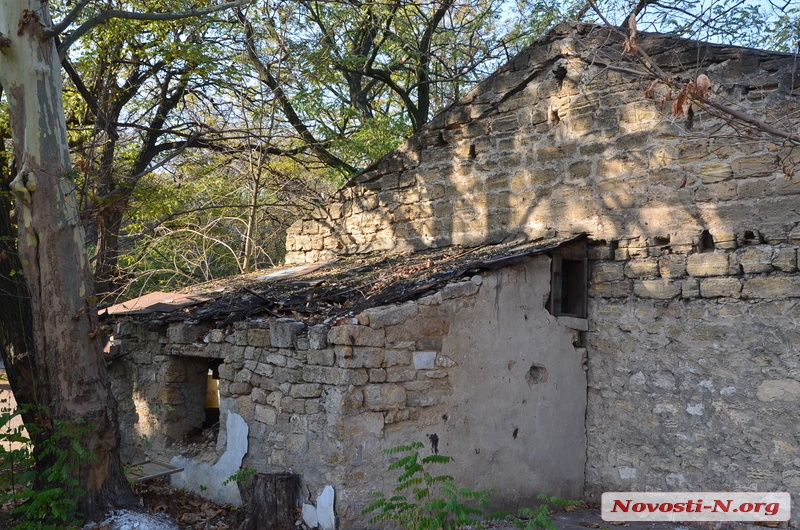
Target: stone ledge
pixel 580 324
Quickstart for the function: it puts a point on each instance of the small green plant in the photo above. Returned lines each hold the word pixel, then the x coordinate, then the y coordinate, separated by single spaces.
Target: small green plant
pixel 539 517
pixel 131 471
pixel 160 408
pixel 43 498
pixel 423 501
pixel 15 450
pixel 143 441
pixel 241 477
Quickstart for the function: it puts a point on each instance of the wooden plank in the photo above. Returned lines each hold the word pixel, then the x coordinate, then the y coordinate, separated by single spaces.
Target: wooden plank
pixel 150 469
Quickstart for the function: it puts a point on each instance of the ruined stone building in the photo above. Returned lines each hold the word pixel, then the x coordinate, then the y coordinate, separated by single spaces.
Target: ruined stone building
pixel 575 289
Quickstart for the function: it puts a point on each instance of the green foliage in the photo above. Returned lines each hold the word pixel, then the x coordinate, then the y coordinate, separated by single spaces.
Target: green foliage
pixel 15 451
pixel 532 518
pixel 423 501
pixel 44 496
pixel 160 408
pixel 243 477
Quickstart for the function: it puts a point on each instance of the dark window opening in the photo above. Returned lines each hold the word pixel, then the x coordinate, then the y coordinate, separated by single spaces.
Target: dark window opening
pixel 706 242
pixel 198 415
pixel 569 282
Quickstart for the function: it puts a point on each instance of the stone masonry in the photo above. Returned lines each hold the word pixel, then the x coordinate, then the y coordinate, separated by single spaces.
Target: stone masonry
pixel 694 296
pixel 567 138
pixel 693 369
pixel 325 400
pixel 684 376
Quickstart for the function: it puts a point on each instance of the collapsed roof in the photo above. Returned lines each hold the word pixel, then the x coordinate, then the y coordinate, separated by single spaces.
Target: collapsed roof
pixel 326 291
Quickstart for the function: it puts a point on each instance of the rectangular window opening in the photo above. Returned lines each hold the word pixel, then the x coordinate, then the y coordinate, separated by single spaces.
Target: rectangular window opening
pixel 569 281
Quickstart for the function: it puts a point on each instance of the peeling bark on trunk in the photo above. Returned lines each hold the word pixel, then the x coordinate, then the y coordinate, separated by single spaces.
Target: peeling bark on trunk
pixel 67 360
pixel 16 330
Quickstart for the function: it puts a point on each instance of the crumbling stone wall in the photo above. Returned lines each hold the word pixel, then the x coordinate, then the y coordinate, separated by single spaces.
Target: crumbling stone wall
pixel 693 367
pixel 690 345
pixel 324 400
pixel 692 348
pixel 567 138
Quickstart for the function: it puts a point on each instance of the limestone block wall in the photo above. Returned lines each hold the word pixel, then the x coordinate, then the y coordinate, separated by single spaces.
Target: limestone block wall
pixel 481 364
pixel 567 138
pixel 693 367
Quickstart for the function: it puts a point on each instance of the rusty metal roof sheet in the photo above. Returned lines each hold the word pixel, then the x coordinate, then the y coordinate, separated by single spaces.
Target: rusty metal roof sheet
pixel 156 302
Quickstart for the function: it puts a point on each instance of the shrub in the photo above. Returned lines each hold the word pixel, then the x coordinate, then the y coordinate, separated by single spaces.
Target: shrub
pixel 44 498
pixel 423 501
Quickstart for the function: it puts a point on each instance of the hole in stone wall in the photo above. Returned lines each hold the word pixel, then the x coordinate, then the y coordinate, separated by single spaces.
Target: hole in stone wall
pixel 472 151
pixel 199 414
pixel 560 73
pixel 750 237
pixel 536 375
pixel 554 117
pixel 578 339
pixel 706 243
pixel 662 242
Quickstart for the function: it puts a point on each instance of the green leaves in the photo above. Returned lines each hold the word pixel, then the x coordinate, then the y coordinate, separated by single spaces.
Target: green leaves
pixel 43 496
pixel 435 502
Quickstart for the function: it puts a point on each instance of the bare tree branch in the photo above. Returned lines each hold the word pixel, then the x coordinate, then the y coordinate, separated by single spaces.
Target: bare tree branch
pixel 56 29
pixel 758 124
pixel 727 112
pixel 105 16
pixel 283 99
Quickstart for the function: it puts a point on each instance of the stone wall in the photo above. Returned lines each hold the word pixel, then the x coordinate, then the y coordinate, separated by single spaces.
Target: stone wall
pixel 567 138
pixel 692 347
pixel 481 364
pixel 693 368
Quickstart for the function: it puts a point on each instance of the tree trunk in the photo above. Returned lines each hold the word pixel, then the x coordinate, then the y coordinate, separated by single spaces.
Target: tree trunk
pixel 252 220
pixel 106 270
pixel 16 320
pixel 67 361
pixel 109 216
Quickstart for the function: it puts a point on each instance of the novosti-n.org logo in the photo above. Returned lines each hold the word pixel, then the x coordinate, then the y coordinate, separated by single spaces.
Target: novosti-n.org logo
pixel 695 506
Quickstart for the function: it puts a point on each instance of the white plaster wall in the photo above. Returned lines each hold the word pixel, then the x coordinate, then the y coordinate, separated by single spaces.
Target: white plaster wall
pixel 495 343
pixel 211 480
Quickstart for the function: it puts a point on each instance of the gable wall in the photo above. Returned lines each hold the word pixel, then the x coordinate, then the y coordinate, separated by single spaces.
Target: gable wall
pixel 557 143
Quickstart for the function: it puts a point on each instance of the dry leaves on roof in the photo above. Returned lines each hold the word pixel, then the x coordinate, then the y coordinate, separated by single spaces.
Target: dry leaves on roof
pixel 348 285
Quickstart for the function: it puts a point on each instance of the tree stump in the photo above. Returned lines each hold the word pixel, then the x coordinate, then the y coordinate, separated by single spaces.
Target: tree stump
pixel 272 502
